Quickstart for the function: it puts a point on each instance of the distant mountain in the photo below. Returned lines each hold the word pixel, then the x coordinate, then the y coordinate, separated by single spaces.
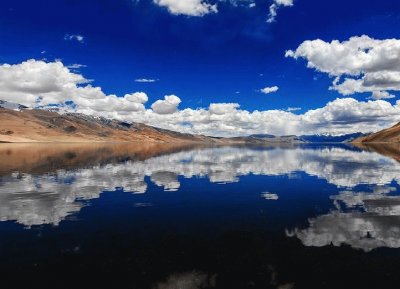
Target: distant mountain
pixel 389 135
pixel 21 124
pixel 268 139
pixel 262 136
pixel 332 138
pixel 316 138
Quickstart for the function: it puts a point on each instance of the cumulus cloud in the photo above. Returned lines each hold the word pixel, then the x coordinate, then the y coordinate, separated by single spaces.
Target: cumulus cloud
pixel 360 64
pixel 187 7
pixel 223 108
pixel 75 37
pixel 276 4
pixel 342 115
pixel 146 80
pixel 39 84
pixel 271 89
pixel 381 95
pixel 167 106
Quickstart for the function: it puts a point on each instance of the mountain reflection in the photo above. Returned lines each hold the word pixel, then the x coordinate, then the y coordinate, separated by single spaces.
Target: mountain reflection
pixel 47 184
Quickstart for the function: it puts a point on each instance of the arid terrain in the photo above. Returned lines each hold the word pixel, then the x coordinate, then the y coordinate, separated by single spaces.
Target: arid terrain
pixel 389 135
pixel 37 125
pixel 45 126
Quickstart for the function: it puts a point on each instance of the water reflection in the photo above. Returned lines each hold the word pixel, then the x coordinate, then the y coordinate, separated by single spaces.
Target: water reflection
pixel 363 220
pixel 39 192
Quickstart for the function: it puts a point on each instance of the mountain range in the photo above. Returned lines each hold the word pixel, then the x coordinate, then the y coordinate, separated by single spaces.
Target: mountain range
pixel 21 124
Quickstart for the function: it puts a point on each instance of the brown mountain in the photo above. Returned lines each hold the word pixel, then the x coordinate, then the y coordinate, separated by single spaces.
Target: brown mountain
pixel 389 135
pixel 35 125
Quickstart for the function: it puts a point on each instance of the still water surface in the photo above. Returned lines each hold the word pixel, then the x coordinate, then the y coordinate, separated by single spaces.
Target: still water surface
pixel 164 217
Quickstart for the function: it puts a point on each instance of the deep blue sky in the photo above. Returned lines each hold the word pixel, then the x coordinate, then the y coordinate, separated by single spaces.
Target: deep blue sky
pixel 200 59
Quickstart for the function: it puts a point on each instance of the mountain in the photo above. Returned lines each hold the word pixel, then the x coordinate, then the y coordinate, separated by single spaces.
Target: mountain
pixel 262 138
pixel 389 135
pixel 316 138
pixel 21 124
pixel 331 138
pixel 38 125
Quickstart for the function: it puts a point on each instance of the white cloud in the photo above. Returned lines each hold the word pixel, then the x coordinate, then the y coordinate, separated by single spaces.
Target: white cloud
pixel 293 109
pixel 271 89
pixel 42 83
pixel 274 8
pixel 146 80
pixel 75 37
pixel 381 95
pixel 76 66
pixel 223 108
pixel 187 7
pixel 167 106
pixel 364 63
pixel 38 83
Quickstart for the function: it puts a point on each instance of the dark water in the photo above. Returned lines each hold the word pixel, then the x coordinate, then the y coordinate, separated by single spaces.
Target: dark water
pixel 118 216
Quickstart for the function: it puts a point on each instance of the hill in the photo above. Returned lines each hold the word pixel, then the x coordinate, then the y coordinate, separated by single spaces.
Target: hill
pixel 36 125
pixel 389 135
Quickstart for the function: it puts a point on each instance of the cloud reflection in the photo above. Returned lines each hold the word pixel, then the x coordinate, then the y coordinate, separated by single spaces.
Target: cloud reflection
pixel 363 220
pixel 49 198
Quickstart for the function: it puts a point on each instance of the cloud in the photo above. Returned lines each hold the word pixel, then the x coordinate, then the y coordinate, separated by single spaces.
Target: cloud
pixel 167 106
pixel 146 80
pixel 274 8
pixel 381 95
pixel 75 37
pixel 33 83
pixel 36 83
pixel 293 109
pixel 223 108
pixel 76 66
pixel 360 64
pixel 187 7
pixel 271 89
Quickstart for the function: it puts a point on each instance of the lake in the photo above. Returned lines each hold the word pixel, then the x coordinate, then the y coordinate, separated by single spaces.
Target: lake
pixel 184 217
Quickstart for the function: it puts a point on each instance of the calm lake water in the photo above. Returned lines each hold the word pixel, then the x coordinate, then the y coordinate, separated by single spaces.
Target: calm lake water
pixel 164 217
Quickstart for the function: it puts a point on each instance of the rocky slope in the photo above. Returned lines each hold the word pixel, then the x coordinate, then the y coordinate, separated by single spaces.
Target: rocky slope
pixel 35 125
pixel 389 135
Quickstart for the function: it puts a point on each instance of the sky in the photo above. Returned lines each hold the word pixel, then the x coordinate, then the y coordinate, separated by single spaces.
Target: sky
pixel 214 67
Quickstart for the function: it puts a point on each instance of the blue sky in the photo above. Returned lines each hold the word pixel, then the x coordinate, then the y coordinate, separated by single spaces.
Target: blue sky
pixel 224 56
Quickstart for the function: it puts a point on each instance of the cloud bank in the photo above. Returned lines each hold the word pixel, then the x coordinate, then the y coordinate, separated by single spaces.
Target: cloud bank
pixel 35 83
pixel 360 64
